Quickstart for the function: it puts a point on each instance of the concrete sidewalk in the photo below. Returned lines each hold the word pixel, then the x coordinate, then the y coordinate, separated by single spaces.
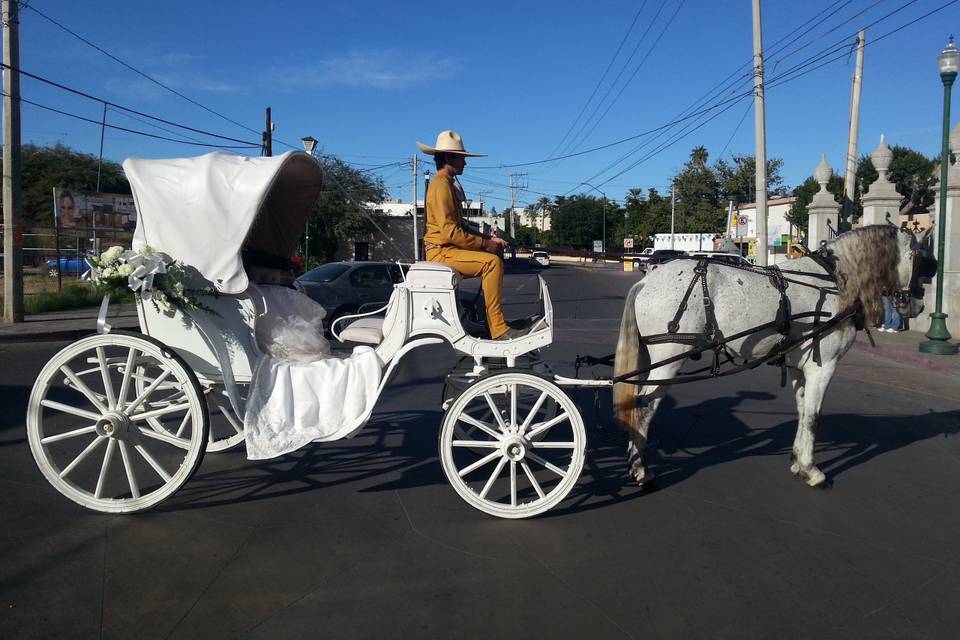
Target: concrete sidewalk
pixel 68 325
pixel 902 347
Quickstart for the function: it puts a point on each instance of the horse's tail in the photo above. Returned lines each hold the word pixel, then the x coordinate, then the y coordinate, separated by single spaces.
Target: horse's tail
pixel 627 359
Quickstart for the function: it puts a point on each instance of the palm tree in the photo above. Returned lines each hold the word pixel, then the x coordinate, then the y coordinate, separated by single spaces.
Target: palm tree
pixel 699 156
pixel 541 208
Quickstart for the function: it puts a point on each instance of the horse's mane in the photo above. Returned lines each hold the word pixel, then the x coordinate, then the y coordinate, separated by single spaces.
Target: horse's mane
pixel 867 260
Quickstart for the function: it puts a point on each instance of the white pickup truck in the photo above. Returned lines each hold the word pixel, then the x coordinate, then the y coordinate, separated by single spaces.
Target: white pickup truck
pixel 638 258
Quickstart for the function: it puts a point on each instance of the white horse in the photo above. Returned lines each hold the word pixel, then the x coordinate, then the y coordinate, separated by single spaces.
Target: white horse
pixel 809 306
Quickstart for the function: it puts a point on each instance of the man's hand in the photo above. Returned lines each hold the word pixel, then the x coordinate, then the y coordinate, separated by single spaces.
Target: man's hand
pixel 494 244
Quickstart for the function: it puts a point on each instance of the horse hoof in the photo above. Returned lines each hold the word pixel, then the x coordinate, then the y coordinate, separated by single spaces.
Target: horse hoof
pixel 815 478
pixel 795 468
pixel 641 476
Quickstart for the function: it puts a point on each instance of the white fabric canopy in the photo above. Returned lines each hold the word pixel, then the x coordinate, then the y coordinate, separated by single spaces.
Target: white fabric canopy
pixel 201 210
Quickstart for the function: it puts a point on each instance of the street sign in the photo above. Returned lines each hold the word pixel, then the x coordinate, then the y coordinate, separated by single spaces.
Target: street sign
pixel 628 243
pixel 598 246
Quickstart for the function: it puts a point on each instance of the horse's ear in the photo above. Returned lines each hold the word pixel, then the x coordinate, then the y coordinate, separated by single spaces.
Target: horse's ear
pixel 922 238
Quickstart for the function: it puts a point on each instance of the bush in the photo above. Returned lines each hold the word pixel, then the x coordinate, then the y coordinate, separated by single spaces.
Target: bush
pixel 73 296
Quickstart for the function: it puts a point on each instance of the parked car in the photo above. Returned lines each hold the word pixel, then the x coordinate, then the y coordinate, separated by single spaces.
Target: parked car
pixel 345 288
pixel 720 256
pixel 660 256
pixel 540 259
pixel 67 267
pixel 638 259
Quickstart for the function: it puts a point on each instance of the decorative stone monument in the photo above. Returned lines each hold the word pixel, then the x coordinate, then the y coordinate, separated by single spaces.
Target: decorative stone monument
pixel 823 209
pixel 881 204
pixel 951 250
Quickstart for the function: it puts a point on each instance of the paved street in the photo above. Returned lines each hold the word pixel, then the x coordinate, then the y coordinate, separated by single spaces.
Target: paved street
pixel 365 539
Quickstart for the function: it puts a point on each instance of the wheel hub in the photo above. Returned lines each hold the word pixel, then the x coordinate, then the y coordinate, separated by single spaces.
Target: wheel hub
pixel 514 448
pixel 113 424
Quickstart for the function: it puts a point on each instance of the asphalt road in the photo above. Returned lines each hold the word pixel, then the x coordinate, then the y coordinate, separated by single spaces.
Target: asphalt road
pixel 364 539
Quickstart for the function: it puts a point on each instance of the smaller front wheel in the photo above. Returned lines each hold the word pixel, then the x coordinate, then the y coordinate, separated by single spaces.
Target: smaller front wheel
pixel 512 445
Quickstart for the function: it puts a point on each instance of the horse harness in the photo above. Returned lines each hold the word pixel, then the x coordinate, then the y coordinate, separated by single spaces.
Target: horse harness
pixel 712 338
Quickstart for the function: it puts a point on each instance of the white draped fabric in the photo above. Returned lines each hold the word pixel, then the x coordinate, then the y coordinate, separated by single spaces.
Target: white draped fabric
pixel 300 393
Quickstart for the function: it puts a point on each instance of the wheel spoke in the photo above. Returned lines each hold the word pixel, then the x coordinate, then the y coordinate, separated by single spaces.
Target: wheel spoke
pixel 162 411
pixel 84 389
pixel 479 463
pixel 513 483
pixel 552 467
pixel 495 410
pixel 131 477
pixel 146 392
pixel 183 424
pixel 473 422
pixel 533 481
pixel 513 405
pixel 127 376
pixel 153 463
pixel 105 468
pixel 493 477
pixel 69 434
pixel 229 416
pixel 107 382
pixel 547 425
pixel 75 411
pixel 553 445
pixel 533 412
pixel 482 444
pixel 163 436
pixel 83 454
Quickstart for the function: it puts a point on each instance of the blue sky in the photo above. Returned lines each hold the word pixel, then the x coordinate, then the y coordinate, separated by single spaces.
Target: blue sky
pixel 370 78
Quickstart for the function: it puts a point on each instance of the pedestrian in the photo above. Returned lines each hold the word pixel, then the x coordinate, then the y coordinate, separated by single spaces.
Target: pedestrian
pixel 892 321
pixel 447 241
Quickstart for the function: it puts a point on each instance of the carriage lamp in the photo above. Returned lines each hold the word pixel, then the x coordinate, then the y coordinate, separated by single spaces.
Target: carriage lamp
pixel 938 336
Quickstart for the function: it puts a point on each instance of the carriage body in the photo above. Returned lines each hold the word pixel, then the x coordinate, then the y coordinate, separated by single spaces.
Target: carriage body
pixel 234 222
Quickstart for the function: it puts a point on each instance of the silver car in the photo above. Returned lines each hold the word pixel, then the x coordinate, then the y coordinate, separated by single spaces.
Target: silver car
pixel 344 288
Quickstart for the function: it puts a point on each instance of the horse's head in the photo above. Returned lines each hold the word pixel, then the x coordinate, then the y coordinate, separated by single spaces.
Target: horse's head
pixel 915 263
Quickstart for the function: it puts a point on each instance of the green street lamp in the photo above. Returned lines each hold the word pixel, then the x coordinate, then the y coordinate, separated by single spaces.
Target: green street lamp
pixel 938 336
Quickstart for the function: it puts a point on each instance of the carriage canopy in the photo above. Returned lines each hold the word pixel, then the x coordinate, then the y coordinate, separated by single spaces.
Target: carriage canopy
pixel 206 211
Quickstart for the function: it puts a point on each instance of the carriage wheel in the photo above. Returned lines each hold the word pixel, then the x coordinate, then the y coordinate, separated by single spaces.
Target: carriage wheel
pixel 226 427
pixel 93 434
pixel 512 445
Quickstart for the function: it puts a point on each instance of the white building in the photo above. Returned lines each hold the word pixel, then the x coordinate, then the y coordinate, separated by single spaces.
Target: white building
pixel 401 209
pixel 539 219
pixel 742 227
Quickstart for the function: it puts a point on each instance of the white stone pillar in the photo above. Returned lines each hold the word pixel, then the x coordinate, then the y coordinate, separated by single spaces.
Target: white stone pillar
pixel 881 204
pixel 951 251
pixel 823 209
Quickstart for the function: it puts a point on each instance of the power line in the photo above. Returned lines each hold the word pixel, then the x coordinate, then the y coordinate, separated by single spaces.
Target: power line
pixel 123 108
pixel 134 69
pixel 602 78
pixel 119 128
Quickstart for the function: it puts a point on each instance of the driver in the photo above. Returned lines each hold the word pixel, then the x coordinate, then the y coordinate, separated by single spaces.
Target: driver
pixel 446 240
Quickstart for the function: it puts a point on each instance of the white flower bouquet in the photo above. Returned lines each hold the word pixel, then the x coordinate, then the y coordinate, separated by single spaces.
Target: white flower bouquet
pixel 152 275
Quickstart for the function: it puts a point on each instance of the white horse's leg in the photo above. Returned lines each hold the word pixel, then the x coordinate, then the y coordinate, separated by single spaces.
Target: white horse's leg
pixel 798 382
pixel 817 380
pixel 638 441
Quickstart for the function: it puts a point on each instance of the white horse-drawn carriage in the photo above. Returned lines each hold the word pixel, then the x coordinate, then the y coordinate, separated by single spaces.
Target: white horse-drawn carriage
pixel 119 421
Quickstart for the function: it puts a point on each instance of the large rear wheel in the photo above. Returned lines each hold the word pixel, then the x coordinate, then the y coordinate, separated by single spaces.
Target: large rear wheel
pixel 107 444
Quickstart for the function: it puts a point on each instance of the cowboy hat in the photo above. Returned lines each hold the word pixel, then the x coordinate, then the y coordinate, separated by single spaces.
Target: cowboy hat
pixel 448 142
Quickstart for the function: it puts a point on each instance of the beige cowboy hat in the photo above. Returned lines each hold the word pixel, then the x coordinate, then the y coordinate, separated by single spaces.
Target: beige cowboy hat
pixel 448 142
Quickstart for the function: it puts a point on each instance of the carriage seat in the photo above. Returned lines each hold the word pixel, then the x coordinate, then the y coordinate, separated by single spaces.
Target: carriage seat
pixel 421 275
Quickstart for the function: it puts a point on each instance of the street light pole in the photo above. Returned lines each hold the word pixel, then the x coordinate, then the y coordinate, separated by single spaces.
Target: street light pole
pixel 938 342
pixel 603 242
pixel 309 145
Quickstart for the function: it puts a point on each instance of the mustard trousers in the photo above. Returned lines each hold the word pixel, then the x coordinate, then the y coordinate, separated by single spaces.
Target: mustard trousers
pixel 478 263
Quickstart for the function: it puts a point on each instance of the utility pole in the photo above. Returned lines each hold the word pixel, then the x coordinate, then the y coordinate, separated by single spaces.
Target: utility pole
pixel 760 136
pixel 508 220
pixel 268 137
pixel 103 128
pixel 673 210
pixel 12 216
pixel 416 238
pixel 850 172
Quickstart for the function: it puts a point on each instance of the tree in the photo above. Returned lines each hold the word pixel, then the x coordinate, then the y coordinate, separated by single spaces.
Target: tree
pixel 699 208
pixel 578 220
pixel 339 215
pixel 44 168
pixel 738 180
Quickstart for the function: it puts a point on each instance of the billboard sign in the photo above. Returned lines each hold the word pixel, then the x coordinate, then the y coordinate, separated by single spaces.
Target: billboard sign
pixel 86 211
